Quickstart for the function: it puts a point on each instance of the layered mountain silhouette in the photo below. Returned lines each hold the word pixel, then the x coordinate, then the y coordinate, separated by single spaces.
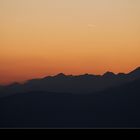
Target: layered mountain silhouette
pixel 114 103
pixel 116 107
pixel 72 84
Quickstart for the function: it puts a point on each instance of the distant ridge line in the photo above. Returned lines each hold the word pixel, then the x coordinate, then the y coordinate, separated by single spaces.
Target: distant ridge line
pixel 106 74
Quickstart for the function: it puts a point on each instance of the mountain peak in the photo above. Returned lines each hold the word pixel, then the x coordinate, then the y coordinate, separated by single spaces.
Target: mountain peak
pixel 60 75
pixel 108 74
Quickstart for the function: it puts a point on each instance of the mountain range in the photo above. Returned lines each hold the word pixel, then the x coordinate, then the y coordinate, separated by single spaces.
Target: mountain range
pixel 86 83
pixel 115 105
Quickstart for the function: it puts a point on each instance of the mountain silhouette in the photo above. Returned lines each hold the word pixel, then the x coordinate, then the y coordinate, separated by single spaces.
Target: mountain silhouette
pixel 60 75
pixel 109 75
pixel 135 73
pixel 116 107
pixel 86 83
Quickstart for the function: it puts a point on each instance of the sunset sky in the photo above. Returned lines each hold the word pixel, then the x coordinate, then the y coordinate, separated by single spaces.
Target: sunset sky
pixel 46 37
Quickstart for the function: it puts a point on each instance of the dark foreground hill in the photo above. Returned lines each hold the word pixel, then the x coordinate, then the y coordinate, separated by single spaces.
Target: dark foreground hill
pixel 112 108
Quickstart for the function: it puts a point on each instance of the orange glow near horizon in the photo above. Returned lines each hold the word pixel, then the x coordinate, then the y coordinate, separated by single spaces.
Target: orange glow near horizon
pixel 46 37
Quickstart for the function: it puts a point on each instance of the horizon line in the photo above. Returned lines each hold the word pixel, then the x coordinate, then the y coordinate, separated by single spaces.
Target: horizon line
pixel 62 73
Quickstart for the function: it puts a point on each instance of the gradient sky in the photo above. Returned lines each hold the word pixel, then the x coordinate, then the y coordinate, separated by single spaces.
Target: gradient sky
pixel 46 37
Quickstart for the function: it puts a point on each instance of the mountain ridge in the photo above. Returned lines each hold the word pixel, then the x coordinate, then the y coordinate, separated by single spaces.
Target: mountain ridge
pixel 85 83
pixel 107 73
pixel 113 108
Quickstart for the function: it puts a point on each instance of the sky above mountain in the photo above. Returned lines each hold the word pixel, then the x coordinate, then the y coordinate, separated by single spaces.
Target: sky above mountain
pixel 46 37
